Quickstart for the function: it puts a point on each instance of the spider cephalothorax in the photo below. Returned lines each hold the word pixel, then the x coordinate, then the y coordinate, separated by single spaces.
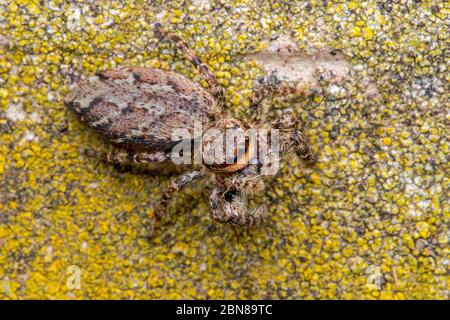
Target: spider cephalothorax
pixel 139 109
pixel 233 160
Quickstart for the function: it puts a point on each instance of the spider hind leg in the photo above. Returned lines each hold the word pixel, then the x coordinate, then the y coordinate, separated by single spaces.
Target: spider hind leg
pixel 214 87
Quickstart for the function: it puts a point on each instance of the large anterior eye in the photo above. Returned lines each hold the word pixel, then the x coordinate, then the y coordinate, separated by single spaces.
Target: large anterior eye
pixel 235 147
pixel 230 195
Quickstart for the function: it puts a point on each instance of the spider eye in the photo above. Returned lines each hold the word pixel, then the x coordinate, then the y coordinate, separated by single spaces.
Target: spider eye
pixel 230 195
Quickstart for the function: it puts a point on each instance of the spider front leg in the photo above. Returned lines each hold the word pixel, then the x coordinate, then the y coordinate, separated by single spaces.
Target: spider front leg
pixel 173 187
pixel 293 138
pixel 214 87
pixel 230 206
pixel 305 152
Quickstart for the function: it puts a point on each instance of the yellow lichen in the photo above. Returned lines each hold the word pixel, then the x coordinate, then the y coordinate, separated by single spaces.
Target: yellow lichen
pixel 374 208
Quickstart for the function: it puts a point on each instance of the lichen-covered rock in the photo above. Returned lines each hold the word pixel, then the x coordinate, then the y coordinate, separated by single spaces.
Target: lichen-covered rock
pixel 370 222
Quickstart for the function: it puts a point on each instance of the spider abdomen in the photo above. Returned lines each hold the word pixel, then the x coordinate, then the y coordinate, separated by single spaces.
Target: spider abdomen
pixel 140 107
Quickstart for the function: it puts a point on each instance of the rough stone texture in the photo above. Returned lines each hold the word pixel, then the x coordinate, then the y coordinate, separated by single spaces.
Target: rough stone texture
pixel 283 61
pixel 371 221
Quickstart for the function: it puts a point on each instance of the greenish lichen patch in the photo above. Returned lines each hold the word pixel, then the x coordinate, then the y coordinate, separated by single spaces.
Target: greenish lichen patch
pixel 370 221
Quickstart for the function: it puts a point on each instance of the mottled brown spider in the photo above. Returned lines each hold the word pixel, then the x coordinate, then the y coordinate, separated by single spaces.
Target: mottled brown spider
pixel 138 109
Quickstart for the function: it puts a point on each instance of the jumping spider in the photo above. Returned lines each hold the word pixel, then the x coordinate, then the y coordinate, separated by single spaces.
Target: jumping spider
pixel 138 108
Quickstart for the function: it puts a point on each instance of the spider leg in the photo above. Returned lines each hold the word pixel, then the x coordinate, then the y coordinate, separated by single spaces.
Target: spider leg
pixel 175 185
pixel 129 157
pixel 149 162
pixel 304 151
pixel 214 87
pixel 293 138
